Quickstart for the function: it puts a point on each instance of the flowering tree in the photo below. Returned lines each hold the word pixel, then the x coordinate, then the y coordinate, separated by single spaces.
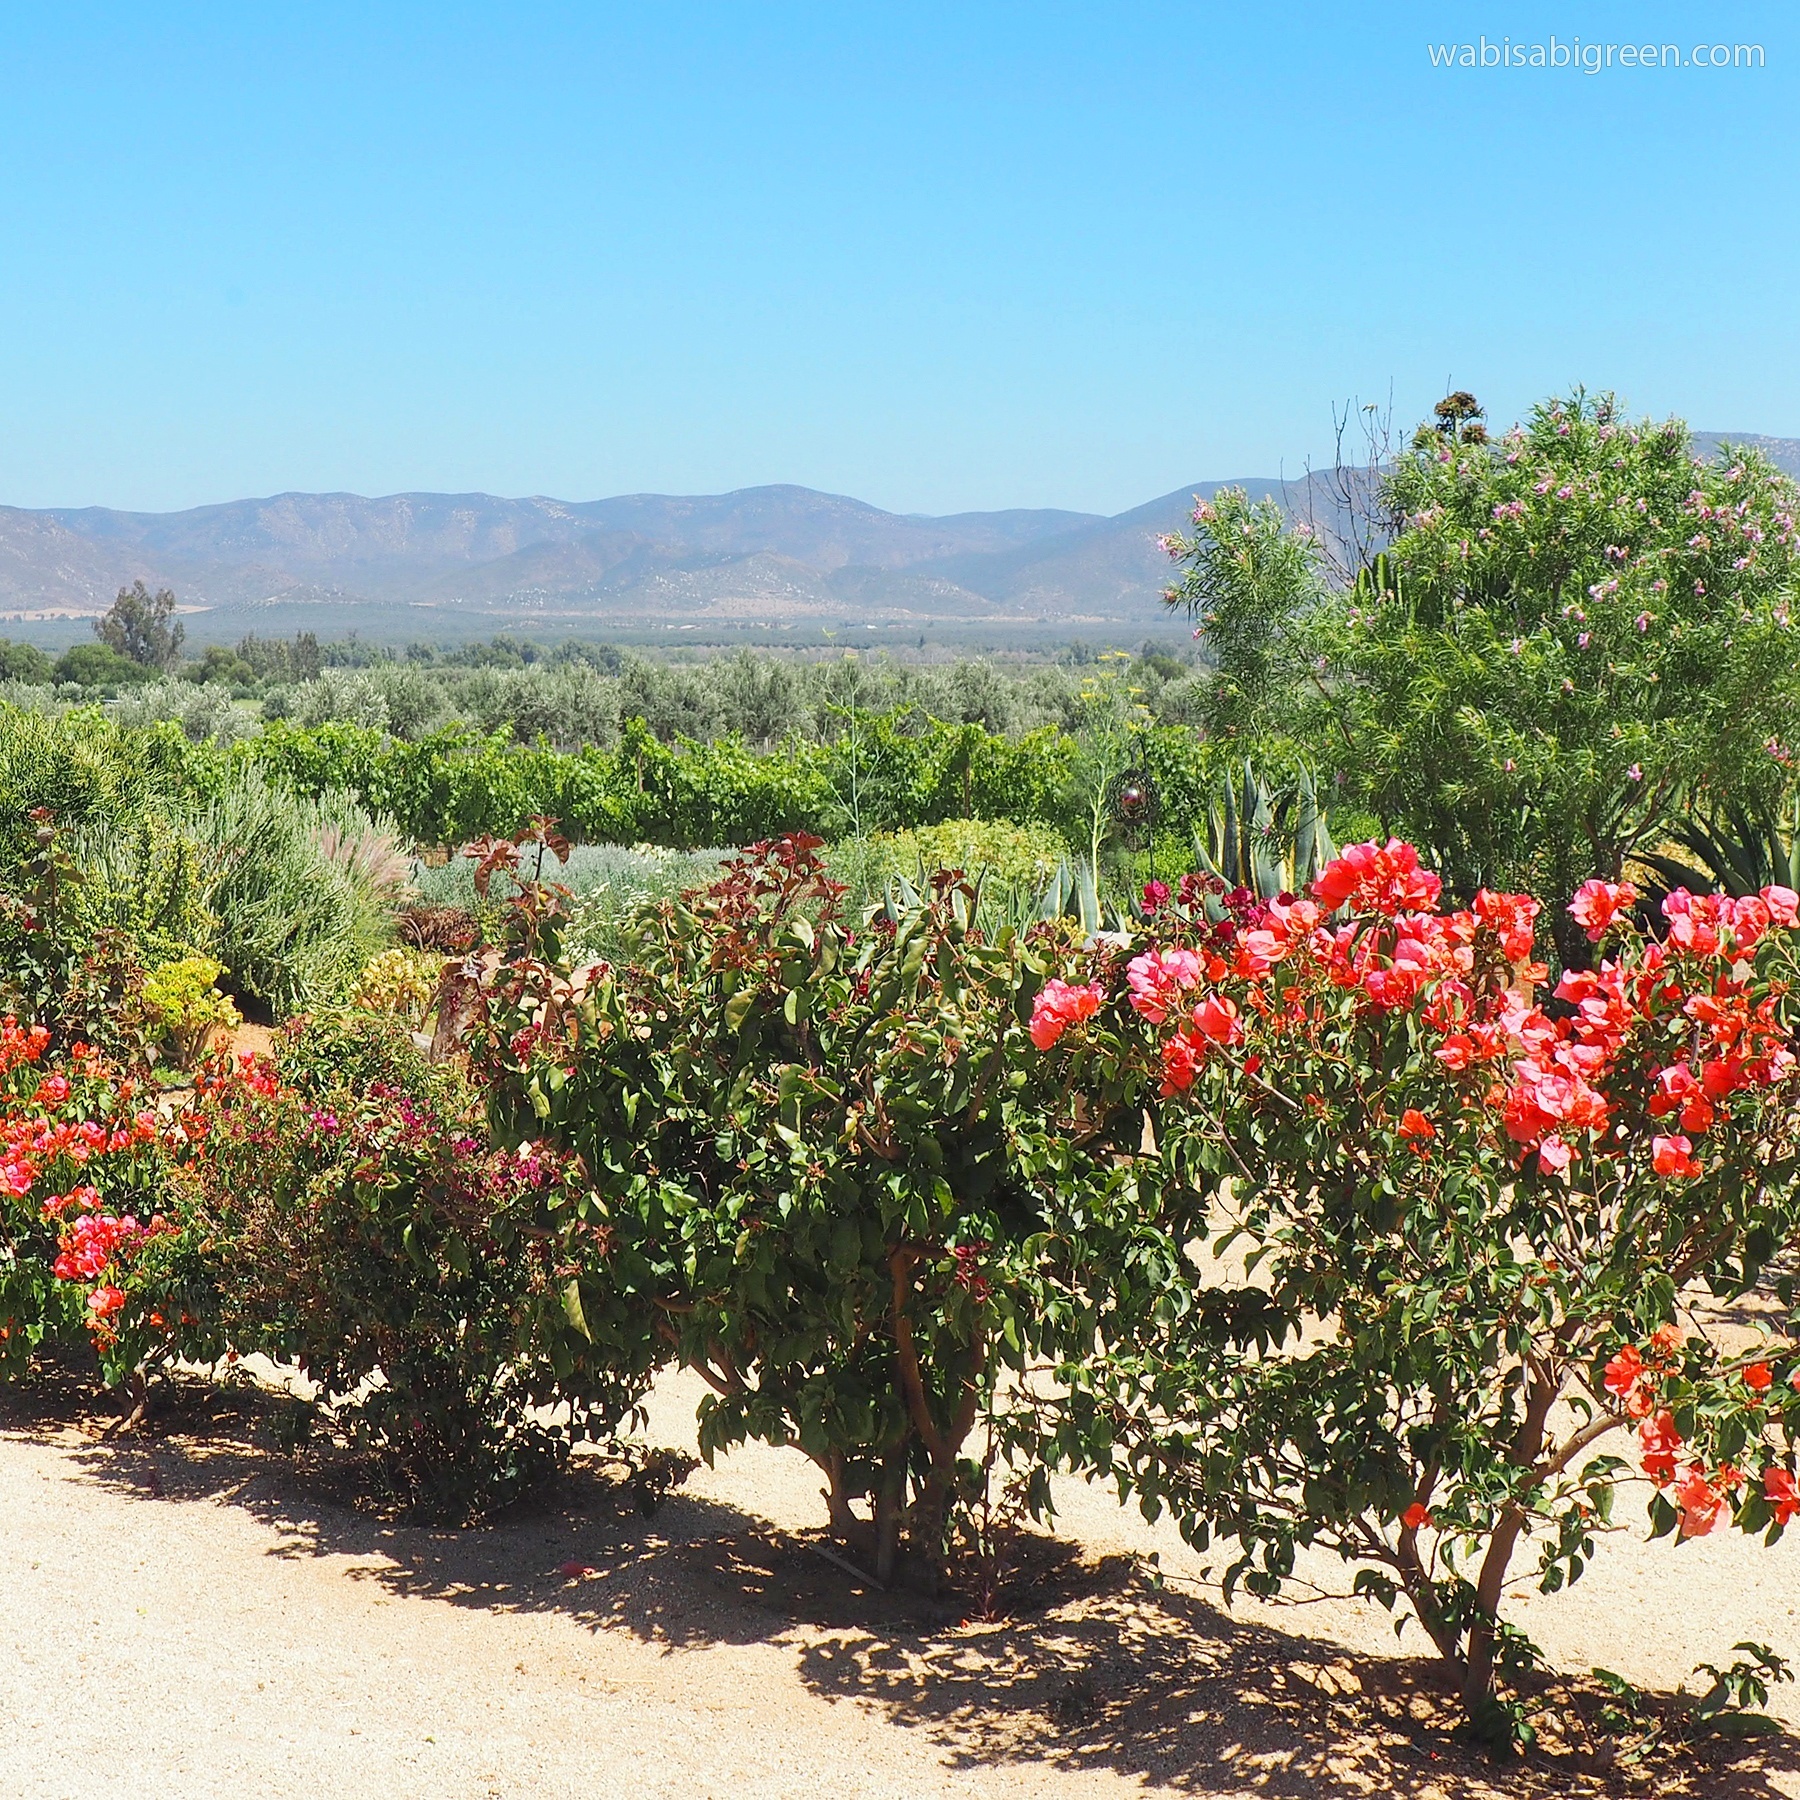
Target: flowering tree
pixel 1250 582
pixel 1578 629
pixel 1487 1223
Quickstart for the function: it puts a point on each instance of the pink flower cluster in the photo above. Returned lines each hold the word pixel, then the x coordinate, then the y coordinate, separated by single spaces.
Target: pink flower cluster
pixel 1060 1005
pixel 1378 878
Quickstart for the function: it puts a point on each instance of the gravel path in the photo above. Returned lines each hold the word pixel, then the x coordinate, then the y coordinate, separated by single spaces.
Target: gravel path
pixel 182 1616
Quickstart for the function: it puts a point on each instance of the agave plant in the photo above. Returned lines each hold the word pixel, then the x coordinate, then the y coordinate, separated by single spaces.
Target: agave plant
pixel 1269 840
pixel 1740 849
pixel 1073 892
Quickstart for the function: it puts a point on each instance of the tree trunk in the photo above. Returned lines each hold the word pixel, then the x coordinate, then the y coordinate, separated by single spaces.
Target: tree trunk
pixel 890 1507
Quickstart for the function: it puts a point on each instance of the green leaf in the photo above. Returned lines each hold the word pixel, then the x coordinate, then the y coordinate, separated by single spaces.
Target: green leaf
pixel 572 1308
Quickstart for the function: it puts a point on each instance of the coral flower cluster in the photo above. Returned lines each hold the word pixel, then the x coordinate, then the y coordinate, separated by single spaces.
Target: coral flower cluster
pixel 1371 928
pixel 74 1142
pixel 1636 1377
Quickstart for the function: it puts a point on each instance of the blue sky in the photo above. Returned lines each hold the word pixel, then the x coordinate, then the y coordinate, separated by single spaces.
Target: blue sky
pixel 937 257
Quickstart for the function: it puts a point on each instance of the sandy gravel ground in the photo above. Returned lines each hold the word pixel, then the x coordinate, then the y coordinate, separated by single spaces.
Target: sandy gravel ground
pixel 186 1616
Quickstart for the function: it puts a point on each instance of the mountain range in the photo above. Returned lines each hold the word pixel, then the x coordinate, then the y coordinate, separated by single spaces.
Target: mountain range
pixel 761 560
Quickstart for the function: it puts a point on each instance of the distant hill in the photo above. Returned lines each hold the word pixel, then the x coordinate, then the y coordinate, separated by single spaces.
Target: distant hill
pixel 765 559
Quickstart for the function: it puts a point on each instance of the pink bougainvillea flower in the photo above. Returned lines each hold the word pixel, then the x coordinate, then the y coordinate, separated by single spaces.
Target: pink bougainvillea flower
pixel 1258 951
pixel 1694 921
pixel 1554 1156
pixel 1701 1502
pixel 1783 904
pixel 1598 903
pixel 1672 1158
pixel 1158 979
pixel 1060 1005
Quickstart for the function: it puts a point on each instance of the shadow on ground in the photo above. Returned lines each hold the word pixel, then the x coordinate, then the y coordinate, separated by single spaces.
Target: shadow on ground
pixel 1095 1670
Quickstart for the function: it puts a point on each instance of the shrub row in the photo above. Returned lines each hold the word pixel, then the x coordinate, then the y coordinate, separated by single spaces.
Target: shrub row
pixel 946 1211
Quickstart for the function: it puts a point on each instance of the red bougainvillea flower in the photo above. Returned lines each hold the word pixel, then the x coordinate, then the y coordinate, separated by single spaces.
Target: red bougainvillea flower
pixel 1659 1441
pixel 1672 1158
pixel 1415 1516
pixel 1384 878
pixel 1415 1127
pixel 1757 1378
pixel 1158 979
pixel 1060 1005
pixel 21 1044
pixel 1598 903
pixel 1679 1089
pixel 1700 1502
pixel 1511 917
pixel 1216 1018
pixel 1780 1492
pixel 258 1074
pixel 1624 1371
pixel 1182 1056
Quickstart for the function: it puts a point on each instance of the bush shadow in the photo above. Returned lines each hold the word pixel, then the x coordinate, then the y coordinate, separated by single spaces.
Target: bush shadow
pixel 1093 1669
pixel 1167 1688
pixel 694 1572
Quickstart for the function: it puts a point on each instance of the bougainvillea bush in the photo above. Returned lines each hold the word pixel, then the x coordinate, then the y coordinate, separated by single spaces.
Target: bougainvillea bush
pixel 88 1250
pixel 357 1223
pixel 1491 1218
pixel 827 1169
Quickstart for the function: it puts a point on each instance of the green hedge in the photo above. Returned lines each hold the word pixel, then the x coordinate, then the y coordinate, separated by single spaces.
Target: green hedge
pixel 456 785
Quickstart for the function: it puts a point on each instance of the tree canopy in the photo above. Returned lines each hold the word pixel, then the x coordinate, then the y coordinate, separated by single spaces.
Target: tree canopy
pixel 1580 628
pixel 143 626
